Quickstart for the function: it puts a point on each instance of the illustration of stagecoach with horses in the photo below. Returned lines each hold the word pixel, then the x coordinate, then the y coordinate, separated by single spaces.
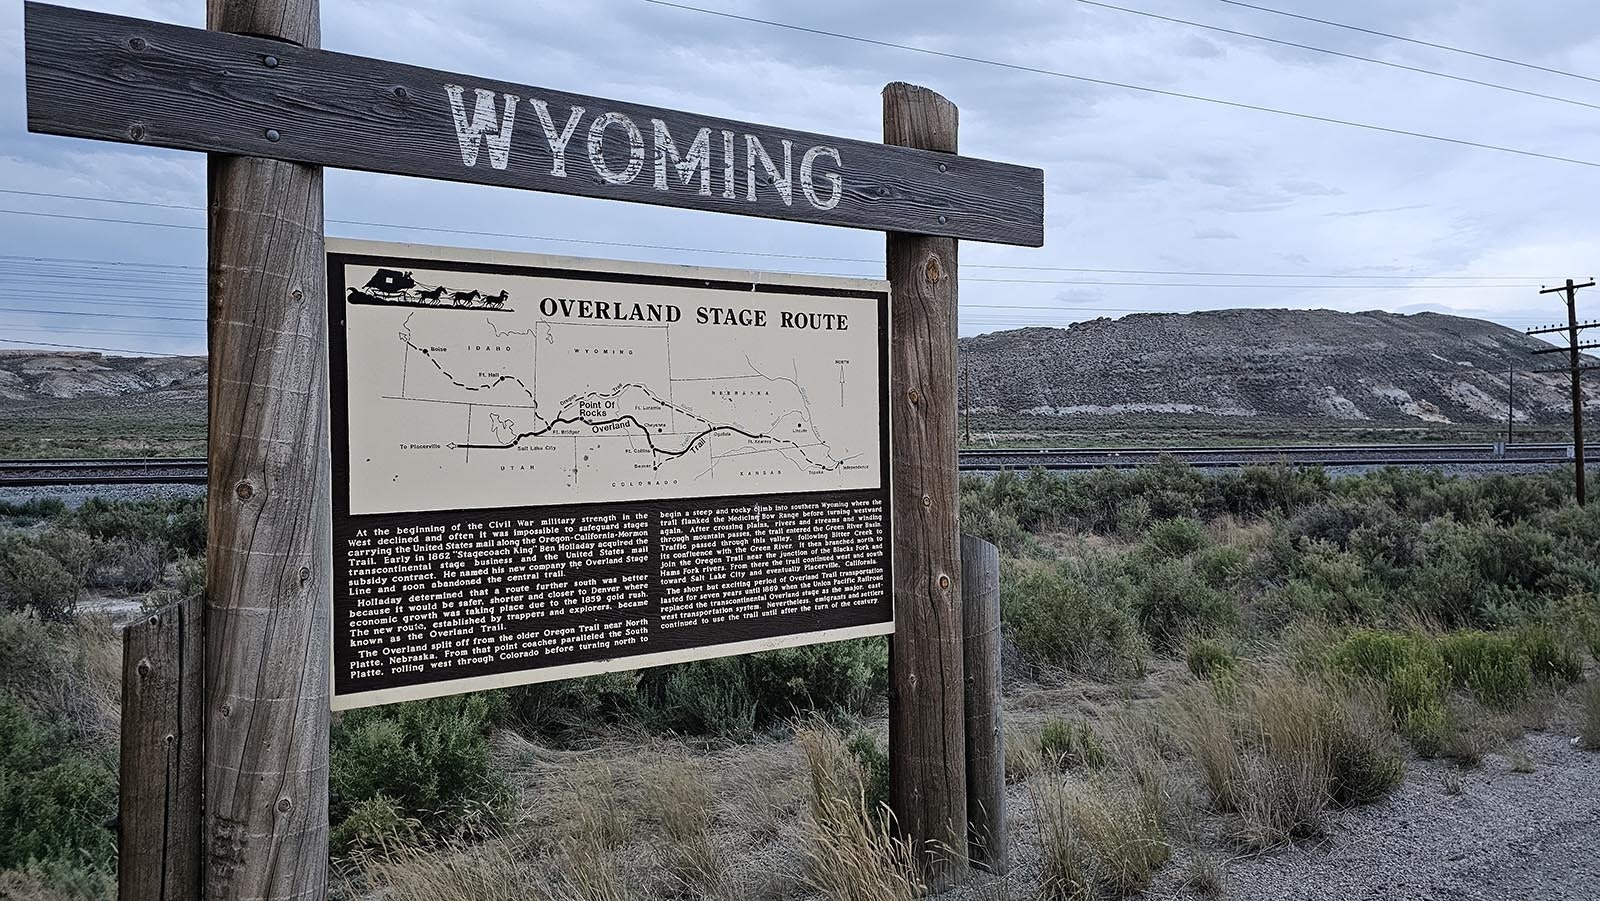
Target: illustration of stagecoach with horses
pixel 392 286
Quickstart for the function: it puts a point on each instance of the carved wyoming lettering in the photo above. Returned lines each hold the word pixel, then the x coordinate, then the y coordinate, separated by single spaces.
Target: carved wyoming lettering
pixel 621 151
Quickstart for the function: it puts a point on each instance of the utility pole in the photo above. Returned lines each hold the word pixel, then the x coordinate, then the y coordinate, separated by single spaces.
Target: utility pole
pixel 966 400
pixel 1575 367
pixel 1511 401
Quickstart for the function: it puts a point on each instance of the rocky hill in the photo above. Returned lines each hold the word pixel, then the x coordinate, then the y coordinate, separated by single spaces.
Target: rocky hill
pixel 85 404
pixel 1319 366
pixel 1272 374
pixel 31 378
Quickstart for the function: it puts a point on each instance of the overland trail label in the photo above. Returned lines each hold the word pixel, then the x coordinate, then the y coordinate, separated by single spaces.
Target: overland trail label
pixel 548 467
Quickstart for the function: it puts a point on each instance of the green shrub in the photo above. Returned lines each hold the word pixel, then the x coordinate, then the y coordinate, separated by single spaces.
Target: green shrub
pixel 1275 489
pixel 701 697
pixel 34 509
pixel 1131 518
pixel 177 525
pixel 1170 600
pixel 1376 654
pixel 1336 580
pixel 1489 666
pixel 191 576
pixel 735 696
pixel 1071 744
pixel 1172 538
pixel 1550 655
pixel 127 565
pixel 997 527
pixel 1208 659
pixel 55 799
pixel 45 573
pixel 375 822
pixel 1413 676
pixel 1075 616
pixel 427 760
pixel 565 704
pixel 1427 728
pixel 1222 566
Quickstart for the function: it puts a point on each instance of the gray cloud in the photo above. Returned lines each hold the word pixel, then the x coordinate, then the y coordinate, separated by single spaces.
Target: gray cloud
pixel 1134 181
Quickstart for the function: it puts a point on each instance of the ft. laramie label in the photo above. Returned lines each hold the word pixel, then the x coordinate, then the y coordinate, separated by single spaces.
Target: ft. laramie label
pixel 548 467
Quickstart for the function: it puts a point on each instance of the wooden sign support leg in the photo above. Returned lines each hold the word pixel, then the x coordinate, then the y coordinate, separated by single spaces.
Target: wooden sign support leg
pixel 269 556
pixel 158 808
pixel 986 758
pixel 927 753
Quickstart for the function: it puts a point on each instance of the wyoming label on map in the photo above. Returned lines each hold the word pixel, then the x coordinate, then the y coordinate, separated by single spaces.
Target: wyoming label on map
pixel 553 381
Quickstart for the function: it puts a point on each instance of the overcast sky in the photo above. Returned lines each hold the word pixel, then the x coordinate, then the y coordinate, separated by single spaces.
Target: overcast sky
pixel 1133 180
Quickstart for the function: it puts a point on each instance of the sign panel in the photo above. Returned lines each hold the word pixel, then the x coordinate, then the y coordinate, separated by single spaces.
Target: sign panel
pixel 92 75
pixel 549 467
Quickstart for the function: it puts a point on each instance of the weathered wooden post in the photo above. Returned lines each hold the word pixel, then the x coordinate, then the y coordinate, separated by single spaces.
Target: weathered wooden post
pixel 158 808
pixel 269 551
pixel 927 750
pixel 986 759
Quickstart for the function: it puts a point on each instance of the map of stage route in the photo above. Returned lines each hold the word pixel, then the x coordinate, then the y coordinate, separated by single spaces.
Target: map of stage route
pixel 471 389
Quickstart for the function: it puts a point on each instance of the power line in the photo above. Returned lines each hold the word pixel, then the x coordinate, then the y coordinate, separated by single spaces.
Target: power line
pixel 115 350
pixel 709 250
pixel 90 331
pixel 1311 117
pixel 99 315
pixel 38 259
pixel 106 219
pixel 196 292
pixel 1401 37
pixel 1300 287
pixel 1339 53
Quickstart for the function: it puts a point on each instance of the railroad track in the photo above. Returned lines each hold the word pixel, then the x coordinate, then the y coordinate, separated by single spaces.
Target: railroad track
pixel 189 471
pixel 129 471
pixel 1295 455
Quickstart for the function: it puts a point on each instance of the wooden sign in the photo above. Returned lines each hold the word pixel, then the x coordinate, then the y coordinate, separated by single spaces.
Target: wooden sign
pixel 547 467
pixel 92 75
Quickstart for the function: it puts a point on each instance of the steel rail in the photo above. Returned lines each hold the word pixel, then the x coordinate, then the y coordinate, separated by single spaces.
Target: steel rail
pixel 192 471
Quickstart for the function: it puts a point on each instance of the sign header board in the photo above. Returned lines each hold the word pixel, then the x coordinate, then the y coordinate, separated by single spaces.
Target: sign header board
pixel 547 467
pixel 92 75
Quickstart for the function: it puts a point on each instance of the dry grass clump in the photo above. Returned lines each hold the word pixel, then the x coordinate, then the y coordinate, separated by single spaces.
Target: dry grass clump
pixel 68 673
pixel 1066 867
pixel 1097 838
pixel 1277 753
pixel 1451 782
pixel 1069 744
pixel 682 802
pixel 1024 757
pixel 853 853
pixel 490 871
pixel 1206 877
pixel 1589 732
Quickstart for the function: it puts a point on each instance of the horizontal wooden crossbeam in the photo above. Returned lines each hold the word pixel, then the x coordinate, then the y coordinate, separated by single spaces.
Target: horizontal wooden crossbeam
pixel 91 75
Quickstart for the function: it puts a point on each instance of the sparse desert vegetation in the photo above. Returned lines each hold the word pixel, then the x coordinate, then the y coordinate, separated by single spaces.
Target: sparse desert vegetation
pixel 1203 671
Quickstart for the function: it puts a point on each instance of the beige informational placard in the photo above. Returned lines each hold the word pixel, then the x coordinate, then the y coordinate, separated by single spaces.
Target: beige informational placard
pixel 549 467
pixel 505 388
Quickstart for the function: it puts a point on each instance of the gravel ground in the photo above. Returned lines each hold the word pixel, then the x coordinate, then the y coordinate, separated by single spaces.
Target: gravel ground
pixel 1506 835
